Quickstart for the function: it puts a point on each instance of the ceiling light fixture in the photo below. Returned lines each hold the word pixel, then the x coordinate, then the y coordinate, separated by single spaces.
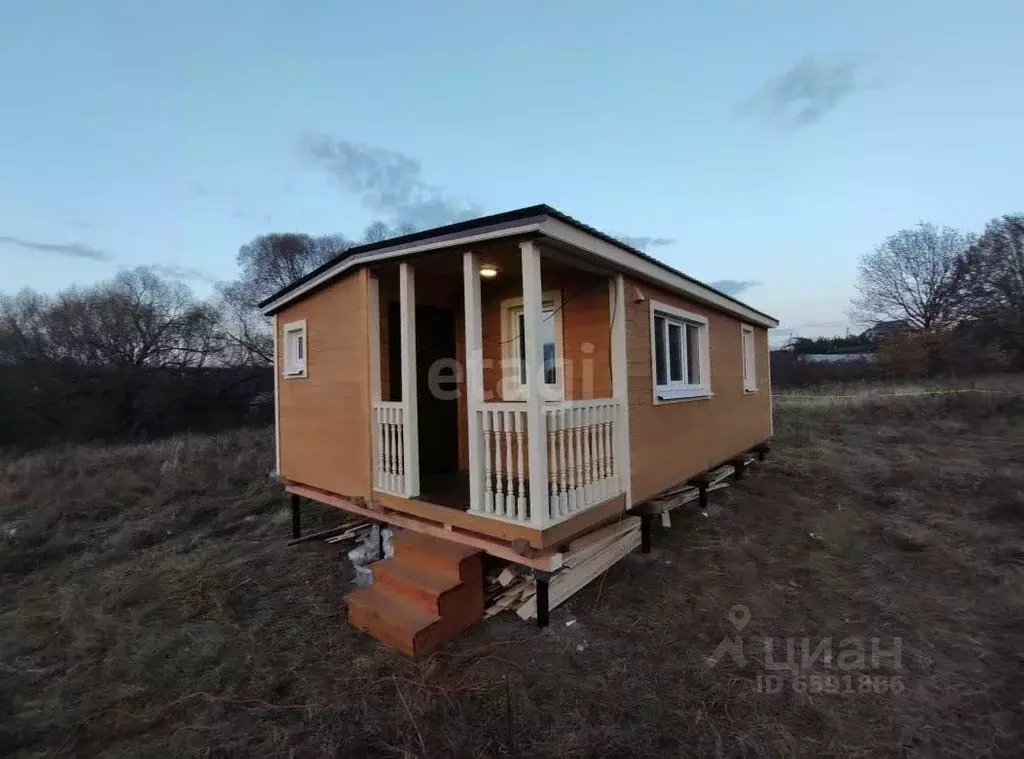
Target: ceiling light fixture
pixel 487 271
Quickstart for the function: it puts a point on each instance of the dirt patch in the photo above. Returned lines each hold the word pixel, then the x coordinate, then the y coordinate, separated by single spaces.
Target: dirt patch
pixel 149 606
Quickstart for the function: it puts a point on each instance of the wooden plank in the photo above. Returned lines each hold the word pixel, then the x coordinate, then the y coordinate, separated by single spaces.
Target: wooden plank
pixel 545 562
pixel 612 530
pixel 567 583
pixel 330 533
pixel 582 557
pixel 596 542
pixel 554 536
pixel 466 520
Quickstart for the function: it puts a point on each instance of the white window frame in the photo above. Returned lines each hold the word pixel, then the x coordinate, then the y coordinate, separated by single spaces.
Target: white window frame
pixel 294 366
pixel 514 389
pixel 684 390
pixel 748 358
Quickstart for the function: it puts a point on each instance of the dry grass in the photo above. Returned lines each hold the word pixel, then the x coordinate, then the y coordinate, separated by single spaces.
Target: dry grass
pixel 149 607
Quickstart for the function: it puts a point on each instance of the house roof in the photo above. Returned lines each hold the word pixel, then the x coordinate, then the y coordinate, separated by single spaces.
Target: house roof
pixel 542 219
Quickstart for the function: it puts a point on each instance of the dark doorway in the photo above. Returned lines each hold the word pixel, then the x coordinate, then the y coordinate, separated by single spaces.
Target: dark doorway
pixel 438 405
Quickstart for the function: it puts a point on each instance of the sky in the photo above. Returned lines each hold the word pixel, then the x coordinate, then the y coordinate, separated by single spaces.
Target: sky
pixel 762 146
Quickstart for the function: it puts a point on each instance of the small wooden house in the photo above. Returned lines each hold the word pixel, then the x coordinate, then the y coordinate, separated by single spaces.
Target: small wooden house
pixel 502 385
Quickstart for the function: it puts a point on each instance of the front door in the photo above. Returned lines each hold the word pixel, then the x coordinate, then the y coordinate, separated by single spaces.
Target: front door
pixel 436 390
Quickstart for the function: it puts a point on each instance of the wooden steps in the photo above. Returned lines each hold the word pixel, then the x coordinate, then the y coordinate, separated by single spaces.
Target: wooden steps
pixel 429 592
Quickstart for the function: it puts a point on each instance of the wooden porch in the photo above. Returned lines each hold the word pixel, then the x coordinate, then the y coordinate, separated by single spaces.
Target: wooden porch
pixel 470 395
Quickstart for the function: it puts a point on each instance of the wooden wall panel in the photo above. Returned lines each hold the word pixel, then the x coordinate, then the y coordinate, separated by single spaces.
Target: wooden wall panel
pixel 586 331
pixel 325 416
pixel 671 442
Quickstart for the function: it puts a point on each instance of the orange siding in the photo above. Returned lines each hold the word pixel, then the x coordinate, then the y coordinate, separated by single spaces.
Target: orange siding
pixel 674 441
pixel 324 423
pixel 586 335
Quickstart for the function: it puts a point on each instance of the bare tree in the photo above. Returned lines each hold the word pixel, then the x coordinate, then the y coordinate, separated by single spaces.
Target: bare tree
pixel 135 320
pixel 269 263
pixel 917 276
pixel 994 267
pixel 379 231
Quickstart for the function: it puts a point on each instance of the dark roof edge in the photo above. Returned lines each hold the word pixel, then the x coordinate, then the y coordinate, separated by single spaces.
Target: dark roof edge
pixel 495 220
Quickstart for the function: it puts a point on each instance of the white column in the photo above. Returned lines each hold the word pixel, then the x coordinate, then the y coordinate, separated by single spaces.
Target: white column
pixel 474 377
pixel 277 402
pixel 410 417
pixel 620 385
pixel 537 432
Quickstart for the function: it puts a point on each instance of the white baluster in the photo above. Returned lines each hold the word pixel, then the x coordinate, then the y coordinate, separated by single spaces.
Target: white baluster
pixel 602 477
pixel 592 439
pixel 563 486
pixel 609 415
pixel 488 482
pixel 510 473
pixel 585 501
pixel 581 458
pixel 549 427
pixel 385 423
pixel 521 503
pixel 577 460
pixel 400 449
pixel 499 478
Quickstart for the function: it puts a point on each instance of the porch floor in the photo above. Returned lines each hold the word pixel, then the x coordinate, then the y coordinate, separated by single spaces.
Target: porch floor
pixel 451 490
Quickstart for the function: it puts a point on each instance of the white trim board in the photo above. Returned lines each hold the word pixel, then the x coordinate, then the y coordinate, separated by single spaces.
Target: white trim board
pixel 651 271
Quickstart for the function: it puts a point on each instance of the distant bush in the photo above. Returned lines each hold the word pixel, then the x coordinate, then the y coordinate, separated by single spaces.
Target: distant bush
pixel 43 402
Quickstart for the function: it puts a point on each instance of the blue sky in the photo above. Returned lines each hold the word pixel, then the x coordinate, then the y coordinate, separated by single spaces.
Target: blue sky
pixel 764 142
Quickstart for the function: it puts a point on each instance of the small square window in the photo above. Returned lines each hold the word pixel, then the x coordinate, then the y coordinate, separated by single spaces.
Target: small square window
pixel 295 349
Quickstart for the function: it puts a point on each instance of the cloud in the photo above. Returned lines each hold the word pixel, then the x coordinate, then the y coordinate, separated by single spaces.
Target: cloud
pixel 72 250
pixel 174 271
pixel 734 286
pixel 387 182
pixel 643 243
pixel 806 93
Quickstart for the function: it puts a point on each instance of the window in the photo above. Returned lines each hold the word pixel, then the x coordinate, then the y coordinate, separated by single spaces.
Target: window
pixel 679 354
pixel 295 349
pixel 513 337
pixel 748 359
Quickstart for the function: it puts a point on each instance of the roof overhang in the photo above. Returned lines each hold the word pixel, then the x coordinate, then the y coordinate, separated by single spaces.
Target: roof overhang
pixel 546 223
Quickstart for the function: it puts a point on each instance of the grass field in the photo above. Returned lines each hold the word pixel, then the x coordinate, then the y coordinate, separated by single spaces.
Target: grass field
pixel 149 606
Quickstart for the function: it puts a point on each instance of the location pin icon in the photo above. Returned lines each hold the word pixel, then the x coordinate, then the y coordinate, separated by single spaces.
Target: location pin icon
pixel 739 615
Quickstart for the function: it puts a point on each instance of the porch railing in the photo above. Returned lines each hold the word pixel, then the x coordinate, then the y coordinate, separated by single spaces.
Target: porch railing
pixel 580 439
pixel 389 446
pixel 582 467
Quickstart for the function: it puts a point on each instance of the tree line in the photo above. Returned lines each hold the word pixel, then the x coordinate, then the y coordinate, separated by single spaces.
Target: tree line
pixel 142 356
pixel 957 297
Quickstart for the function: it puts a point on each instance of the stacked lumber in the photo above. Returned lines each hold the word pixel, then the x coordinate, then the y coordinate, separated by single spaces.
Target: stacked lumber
pixel 357 530
pixel 683 494
pixel 585 559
